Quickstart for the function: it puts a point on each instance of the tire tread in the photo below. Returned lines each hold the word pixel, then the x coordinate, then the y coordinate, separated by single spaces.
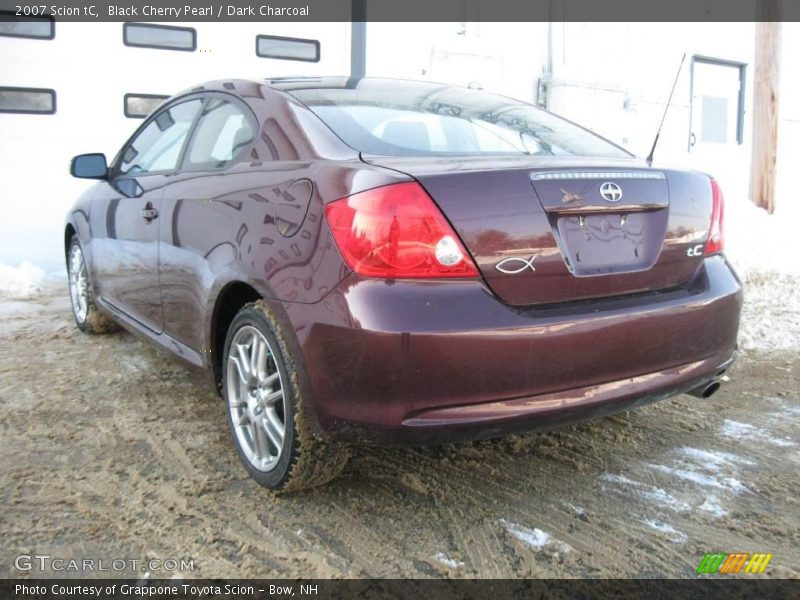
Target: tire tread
pixel 313 461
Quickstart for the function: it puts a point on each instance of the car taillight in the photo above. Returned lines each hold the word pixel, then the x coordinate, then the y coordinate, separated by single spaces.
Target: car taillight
pixel 396 231
pixel 716 239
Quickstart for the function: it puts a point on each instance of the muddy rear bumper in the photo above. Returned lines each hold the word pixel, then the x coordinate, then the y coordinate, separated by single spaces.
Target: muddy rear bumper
pixel 545 411
pixel 431 362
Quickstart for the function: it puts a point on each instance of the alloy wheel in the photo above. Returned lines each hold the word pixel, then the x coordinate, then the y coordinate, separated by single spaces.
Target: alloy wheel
pixel 78 283
pixel 256 398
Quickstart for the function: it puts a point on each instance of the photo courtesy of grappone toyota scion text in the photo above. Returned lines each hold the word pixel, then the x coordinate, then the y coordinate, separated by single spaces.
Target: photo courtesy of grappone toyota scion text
pixel 393 262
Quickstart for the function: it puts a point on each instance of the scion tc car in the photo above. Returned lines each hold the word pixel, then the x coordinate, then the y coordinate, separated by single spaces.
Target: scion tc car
pixel 377 261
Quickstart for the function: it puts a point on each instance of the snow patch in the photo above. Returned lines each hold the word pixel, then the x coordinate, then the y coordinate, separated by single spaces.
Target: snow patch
pixel 581 512
pixel 709 469
pixel 757 242
pixel 712 506
pixel 649 493
pixel 723 483
pixel 23 281
pixel 447 561
pixel 715 459
pixel 745 431
pixel 771 312
pixel 673 534
pixel 536 538
pixel 135 362
pixel 763 249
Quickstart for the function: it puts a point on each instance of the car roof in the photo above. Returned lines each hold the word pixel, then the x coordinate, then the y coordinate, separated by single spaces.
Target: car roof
pixel 290 84
pixel 281 84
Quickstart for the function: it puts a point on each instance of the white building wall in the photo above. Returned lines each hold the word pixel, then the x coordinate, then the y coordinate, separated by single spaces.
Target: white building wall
pixel 505 58
pixel 616 78
pixel 789 128
pixel 613 78
pixel 91 70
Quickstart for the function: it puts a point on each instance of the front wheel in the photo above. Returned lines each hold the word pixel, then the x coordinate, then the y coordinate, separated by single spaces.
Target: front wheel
pixel 267 414
pixel 88 317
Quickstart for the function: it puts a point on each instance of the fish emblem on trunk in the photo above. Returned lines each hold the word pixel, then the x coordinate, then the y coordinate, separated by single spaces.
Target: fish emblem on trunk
pixel 514 265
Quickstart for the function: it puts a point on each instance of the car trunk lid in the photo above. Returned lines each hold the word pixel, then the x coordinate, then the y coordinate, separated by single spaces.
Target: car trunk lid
pixel 605 222
pixel 546 230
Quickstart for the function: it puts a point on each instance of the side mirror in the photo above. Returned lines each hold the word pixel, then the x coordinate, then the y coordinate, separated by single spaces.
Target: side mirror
pixel 89 166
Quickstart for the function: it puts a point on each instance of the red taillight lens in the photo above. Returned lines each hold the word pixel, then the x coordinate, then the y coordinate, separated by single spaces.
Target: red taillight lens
pixel 397 231
pixel 716 240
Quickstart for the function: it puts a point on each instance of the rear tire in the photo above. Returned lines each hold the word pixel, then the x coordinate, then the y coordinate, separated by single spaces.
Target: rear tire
pixel 267 413
pixel 88 317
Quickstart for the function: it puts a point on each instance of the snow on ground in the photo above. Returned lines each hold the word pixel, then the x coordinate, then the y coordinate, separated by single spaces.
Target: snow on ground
pixel 21 282
pixel 447 561
pixel 672 534
pixel 706 468
pixel 535 538
pixel 714 460
pixel 765 251
pixel 759 243
pixel 737 430
pixel 711 506
pixel 648 493
pixel 703 479
pixel 578 510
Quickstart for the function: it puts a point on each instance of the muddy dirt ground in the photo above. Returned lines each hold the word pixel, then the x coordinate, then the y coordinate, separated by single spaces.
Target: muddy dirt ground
pixel 110 450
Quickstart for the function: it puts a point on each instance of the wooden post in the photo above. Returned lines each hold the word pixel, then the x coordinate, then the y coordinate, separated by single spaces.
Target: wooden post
pixel 765 105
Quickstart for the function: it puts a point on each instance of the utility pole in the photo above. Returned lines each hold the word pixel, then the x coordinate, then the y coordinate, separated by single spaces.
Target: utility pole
pixel 765 105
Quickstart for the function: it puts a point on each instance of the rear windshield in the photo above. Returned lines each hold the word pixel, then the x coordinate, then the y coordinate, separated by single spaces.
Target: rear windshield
pixel 402 118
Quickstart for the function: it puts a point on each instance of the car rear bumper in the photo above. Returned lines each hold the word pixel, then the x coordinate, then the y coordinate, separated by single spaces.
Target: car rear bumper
pixel 430 362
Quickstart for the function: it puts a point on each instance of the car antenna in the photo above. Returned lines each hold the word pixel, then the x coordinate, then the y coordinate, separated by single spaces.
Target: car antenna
pixel 664 116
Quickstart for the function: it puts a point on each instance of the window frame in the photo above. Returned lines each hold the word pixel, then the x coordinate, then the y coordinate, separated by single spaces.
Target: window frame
pixel 116 165
pixel 720 62
pixel 135 95
pixel 126 26
pixel 204 96
pixel 14 17
pixel 50 91
pixel 284 38
pixel 249 115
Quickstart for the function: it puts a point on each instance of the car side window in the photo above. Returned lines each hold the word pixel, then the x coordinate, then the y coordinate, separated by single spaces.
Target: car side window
pixel 223 132
pixel 158 146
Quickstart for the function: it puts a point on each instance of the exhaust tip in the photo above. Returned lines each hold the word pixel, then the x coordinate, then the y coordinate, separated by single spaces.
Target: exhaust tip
pixel 706 390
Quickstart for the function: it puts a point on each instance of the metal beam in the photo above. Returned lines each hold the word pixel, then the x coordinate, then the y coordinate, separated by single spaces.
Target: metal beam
pixel 358 39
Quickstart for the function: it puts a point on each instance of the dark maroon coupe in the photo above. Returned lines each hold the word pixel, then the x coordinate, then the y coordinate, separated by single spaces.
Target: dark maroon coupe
pixel 366 260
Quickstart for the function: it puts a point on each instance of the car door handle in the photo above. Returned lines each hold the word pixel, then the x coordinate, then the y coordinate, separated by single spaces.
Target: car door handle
pixel 149 214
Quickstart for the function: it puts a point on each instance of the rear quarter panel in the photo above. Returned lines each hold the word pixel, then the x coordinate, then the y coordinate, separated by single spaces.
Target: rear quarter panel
pixel 260 221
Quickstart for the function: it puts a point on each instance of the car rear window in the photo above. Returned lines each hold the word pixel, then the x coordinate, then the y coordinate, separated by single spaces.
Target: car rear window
pixel 401 118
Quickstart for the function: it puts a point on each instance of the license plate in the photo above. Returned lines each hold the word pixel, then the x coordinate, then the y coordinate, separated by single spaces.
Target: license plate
pixel 605 243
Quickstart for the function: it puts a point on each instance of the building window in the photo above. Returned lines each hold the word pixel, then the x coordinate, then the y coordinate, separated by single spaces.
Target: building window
pixel 717 95
pixel 34 101
pixel 36 28
pixel 164 37
pixel 139 106
pixel 273 46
